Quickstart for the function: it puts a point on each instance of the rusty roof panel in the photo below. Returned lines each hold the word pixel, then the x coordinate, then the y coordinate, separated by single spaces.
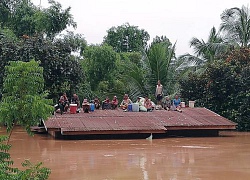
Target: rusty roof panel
pixel 117 120
pixel 52 123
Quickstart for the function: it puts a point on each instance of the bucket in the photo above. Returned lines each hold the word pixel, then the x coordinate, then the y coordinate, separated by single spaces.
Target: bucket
pixel 73 108
pixel 183 104
pixel 129 107
pixel 92 107
pixel 135 107
pixel 191 104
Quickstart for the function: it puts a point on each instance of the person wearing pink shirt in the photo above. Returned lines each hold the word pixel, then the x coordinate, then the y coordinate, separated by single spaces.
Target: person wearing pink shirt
pixel 148 104
pixel 114 103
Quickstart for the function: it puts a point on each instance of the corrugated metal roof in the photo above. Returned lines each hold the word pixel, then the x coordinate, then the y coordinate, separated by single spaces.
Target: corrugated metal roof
pixel 115 121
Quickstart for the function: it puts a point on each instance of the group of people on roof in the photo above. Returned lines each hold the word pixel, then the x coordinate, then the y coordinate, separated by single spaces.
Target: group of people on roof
pixel 64 102
pixel 166 102
pixel 145 103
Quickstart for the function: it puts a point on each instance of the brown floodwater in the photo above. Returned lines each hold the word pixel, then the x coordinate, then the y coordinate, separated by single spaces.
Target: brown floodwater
pixel 225 157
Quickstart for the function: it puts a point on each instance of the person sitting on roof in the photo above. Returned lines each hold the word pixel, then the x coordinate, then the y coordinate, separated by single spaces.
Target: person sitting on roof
pixel 63 103
pixel 97 103
pixel 114 103
pixel 177 103
pixel 85 106
pixel 140 101
pixel 125 102
pixel 167 103
pixel 106 103
pixel 75 100
pixel 148 104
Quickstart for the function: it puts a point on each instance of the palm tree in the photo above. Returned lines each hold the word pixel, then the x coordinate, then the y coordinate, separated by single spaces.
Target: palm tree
pixel 156 65
pixel 236 26
pixel 134 78
pixel 159 58
pixel 205 52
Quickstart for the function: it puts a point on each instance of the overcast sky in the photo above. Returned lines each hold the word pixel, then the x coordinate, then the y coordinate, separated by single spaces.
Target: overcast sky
pixel 179 20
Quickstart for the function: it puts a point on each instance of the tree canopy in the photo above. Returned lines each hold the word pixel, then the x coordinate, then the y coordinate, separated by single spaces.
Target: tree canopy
pixel 23 18
pixel 101 63
pixel 127 38
pixel 24 101
pixel 236 26
pixel 223 87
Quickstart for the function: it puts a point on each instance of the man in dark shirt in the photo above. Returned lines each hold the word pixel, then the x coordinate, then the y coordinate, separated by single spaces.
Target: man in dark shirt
pixel 75 100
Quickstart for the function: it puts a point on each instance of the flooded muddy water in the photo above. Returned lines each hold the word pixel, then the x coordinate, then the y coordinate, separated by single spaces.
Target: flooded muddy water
pixel 226 157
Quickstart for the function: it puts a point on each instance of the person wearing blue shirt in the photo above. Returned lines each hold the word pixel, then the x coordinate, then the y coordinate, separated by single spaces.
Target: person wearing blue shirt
pixel 177 103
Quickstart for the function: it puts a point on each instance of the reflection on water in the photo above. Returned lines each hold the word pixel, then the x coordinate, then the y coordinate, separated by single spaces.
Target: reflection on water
pixel 225 157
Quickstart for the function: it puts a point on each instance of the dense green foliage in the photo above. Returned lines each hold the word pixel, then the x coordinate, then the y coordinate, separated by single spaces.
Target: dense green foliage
pixel 23 31
pixel 160 56
pixel 6 171
pixel 223 84
pixel 23 18
pixel 62 71
pixel 105 71
pixel 24 101
pixel 223 88
pixel 140 71
pixel 101 63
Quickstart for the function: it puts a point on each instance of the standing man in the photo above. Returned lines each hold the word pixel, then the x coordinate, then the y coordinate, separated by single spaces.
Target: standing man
pixel 159 92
